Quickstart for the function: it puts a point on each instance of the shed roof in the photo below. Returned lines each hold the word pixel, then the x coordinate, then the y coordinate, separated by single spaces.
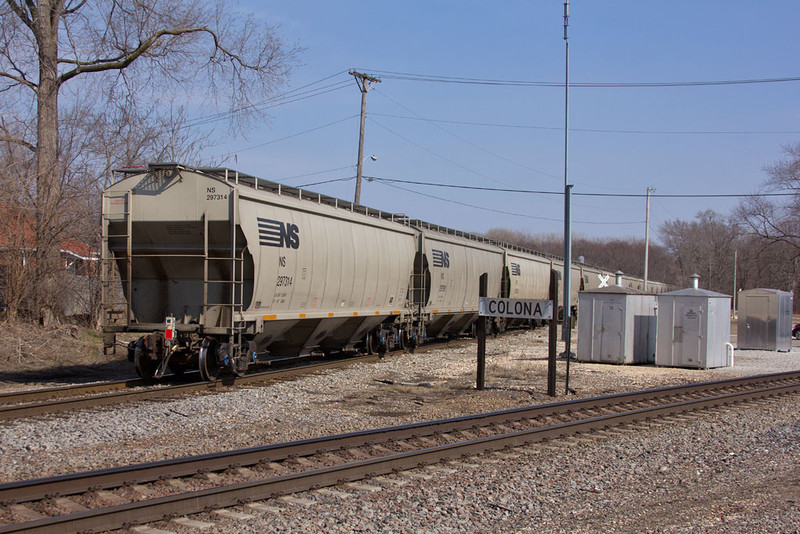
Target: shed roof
pixel 616 290
pixel 695 292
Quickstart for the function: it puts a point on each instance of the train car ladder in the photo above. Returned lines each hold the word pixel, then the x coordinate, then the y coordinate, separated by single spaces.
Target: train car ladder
pixel 235 258
pixel 112 283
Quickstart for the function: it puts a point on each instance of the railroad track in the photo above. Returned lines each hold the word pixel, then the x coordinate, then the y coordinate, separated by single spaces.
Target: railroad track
pixel 120 497
pixel 29 403
pixel 18 404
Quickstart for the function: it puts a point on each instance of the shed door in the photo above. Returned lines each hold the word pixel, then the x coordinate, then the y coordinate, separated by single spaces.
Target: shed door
pixel 758 323
pixel 610 335
pixel 687 338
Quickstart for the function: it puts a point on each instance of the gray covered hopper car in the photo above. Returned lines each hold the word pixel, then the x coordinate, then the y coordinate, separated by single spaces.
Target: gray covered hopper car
pixel 220 271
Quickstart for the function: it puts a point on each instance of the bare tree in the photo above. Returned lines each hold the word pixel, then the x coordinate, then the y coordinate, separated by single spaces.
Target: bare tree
pixel 16 165
pixel 777 220
pixel 705 246
pixel 136 50
pixel 626 255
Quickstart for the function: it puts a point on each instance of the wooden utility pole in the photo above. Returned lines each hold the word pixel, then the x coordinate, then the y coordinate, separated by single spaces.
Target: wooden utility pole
pixel 365 83
pixel 647 236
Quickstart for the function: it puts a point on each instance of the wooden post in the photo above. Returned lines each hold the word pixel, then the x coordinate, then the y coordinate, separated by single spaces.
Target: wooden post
pixel 481 332
pixel 553 337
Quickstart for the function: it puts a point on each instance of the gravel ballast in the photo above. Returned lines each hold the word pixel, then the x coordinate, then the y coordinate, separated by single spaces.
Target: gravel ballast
pixel 734 470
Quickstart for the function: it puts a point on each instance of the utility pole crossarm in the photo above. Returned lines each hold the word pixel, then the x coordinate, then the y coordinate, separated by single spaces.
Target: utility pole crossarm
pixel 365 83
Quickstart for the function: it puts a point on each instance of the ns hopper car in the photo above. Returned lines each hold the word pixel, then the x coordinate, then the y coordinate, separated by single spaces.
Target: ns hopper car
pixel 221 271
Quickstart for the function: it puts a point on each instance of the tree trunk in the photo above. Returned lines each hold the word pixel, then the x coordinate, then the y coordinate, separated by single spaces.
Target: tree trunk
pixel 46 255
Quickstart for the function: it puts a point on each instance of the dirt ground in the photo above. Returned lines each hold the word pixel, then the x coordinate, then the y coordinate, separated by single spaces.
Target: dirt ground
pixel 31 354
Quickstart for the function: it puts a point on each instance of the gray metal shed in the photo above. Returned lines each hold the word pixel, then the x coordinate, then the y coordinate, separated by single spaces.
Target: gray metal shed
pixel 765 319
pixel 616 325
pixel 694 328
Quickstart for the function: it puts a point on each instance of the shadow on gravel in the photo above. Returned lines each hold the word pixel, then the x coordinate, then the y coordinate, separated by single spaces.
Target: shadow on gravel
pixel 114 370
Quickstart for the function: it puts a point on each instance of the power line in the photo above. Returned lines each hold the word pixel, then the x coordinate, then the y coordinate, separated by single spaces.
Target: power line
pixel 429 151
pixel 288 97
pixel 421 118
pixel 345 179
pixel 314 174
pixel 504 212
pixel 589 130
pixel 605 195
pixel 431 78
pixel 298 134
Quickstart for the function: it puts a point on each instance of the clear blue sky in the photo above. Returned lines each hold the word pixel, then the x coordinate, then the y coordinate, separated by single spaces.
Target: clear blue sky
pixel 701 139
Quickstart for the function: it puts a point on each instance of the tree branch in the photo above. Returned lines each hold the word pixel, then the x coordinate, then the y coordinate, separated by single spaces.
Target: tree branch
pixel 18 79
pixel 7 137
pixel 21 13
pixel 70 10
pixel 126 59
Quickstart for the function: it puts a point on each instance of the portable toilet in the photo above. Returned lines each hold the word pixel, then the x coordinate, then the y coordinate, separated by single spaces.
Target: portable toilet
pixel 694 328
pixel 616 325
pixel 765 320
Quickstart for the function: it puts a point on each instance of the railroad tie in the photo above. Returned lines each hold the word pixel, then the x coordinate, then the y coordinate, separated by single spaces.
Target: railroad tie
pixel 141 490
pixel 192 523
pixel 69 505
pixel 370 488
pixel 144 529
pixel 291 499
pixel 332 493
pixel 280 468
pixel 177 483
pixel 426 442
pixel 417 476
pixel 111 498
pixel 214 478
pixel 507 456
pixel 334 458
pixel 230 514
pixel 382 450
pixel 392 481
pixel 439 469
pixel 26 514
pixel 465 465
pixel 263 508
pixel 245 471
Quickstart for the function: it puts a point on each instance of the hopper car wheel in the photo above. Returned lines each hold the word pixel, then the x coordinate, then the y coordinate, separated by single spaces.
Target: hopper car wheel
pixel 207 361
pixel 374 345
pixel 145 365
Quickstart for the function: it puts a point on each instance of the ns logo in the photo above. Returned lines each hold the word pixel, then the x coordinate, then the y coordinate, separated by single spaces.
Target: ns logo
pixel 278 234
pixel 441 258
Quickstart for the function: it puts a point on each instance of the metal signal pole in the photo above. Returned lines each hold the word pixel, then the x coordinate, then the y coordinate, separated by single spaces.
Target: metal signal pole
pixel 365 83
pixel 566 328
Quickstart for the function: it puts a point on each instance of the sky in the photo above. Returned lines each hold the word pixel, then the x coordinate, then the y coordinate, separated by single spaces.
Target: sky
pixel 696 139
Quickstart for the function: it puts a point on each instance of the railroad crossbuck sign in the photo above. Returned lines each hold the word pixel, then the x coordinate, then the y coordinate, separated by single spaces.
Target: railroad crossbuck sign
pixel 519 308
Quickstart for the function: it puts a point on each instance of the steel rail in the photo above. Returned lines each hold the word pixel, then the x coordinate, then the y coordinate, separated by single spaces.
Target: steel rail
pixel 28 490
pixel 118 396
pixel 198 501
pixel 28 395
